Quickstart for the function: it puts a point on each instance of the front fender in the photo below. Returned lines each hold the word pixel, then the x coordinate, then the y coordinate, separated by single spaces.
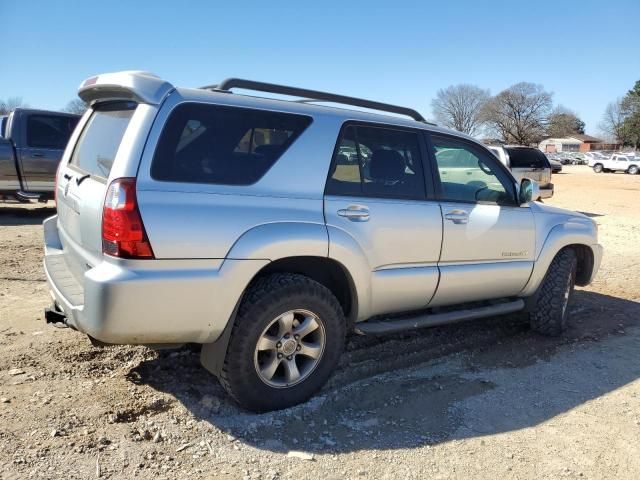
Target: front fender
pixel 571 232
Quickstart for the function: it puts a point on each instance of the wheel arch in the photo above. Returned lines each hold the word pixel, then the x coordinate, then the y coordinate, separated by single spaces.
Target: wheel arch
pixel 580 236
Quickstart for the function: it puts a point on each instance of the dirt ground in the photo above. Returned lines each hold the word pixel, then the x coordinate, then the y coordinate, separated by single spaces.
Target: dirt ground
pixel 486 399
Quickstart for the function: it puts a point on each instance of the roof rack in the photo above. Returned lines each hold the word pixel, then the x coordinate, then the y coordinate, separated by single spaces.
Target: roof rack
pixel 313 96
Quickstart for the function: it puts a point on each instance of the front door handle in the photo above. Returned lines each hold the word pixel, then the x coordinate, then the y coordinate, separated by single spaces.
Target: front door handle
pixel 37 154
pixel 355 213
pixel 459 217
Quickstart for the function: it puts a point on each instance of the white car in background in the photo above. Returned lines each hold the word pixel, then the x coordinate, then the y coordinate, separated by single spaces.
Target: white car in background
pixel 627 163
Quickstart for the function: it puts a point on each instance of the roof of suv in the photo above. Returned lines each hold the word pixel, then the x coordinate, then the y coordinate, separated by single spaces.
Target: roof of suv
pixel 149 88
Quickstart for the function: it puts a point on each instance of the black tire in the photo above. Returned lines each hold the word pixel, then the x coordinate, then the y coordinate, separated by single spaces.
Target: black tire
pixel 551 309
pixel 633 170
pixel 598 168
pixel 268 298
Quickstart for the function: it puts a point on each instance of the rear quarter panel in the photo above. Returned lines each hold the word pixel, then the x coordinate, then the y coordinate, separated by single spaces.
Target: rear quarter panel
pixel 193 220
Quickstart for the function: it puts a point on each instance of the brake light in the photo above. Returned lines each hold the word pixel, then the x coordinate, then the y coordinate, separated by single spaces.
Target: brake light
pixel 123 233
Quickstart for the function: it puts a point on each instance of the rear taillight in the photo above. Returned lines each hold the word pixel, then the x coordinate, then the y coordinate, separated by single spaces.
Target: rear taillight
pixel 123 233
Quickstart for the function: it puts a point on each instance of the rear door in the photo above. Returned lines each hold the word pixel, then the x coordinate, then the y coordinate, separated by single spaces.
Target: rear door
pixel 488 243
pixel 82 183
pixel 380 202
pixel 44 139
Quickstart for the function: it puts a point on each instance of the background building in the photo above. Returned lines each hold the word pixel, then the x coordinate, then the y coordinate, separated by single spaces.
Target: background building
pixel 575 143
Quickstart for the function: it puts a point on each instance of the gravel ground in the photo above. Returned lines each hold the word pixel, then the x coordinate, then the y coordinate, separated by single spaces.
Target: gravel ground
pixel 487 399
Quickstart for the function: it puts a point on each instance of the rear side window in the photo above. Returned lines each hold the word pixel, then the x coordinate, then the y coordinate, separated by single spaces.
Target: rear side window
pixel 377 162
pixel 223 145
pixel 527 158
pixel 99 142
pixel 49 131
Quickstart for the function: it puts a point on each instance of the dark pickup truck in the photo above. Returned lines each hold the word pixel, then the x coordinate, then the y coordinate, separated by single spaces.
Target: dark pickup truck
pixel 31 146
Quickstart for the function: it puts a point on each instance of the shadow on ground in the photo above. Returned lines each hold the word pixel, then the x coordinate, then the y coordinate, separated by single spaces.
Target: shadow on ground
pixel 24 214
pixel 429 386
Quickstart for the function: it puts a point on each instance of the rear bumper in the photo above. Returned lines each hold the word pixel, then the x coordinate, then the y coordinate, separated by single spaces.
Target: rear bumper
pixel 546 191
pixel 146 301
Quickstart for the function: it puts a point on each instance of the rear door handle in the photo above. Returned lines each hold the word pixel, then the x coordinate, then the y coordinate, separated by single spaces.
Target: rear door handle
pixel 458 216
pixel 355 213
pixel 37 154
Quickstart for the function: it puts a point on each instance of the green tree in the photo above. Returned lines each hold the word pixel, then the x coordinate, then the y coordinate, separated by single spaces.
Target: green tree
pixel 630 107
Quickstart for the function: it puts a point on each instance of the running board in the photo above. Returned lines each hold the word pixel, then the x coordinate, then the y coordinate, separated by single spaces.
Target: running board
pixel 28 196
pixel 378 327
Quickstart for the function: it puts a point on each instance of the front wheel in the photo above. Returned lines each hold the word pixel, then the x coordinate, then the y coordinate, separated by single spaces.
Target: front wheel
pixel 286 340
pixel 551 309
pixel 597 168
pixel 633 170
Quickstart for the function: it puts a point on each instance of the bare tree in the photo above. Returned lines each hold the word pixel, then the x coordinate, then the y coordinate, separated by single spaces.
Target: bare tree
pixel 76 105
pixel 10 104
pixel 612 123
pixel 562 122
pixel 460 107
pixel 519 113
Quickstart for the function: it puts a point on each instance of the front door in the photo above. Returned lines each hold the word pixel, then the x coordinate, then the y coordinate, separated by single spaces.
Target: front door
pixel 46 137
pixel 488 242
pixel 375 199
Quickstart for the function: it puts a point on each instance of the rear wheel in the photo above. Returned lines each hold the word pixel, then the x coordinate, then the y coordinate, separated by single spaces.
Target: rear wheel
pixel 287 339
pixel 597 168
pixel 551 309
pixel 633 170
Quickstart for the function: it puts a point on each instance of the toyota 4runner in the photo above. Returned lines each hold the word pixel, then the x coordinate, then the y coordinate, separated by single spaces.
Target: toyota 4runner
pixel 240 223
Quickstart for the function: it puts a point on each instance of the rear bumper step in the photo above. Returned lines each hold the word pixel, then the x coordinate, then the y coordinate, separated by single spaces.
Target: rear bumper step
pixel 379 327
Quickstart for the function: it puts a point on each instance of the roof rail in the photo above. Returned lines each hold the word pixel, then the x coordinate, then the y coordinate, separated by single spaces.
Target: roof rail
pixel 313 96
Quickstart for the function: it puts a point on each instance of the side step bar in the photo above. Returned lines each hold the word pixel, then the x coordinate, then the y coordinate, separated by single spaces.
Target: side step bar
pixel 379 327
pixel 25 196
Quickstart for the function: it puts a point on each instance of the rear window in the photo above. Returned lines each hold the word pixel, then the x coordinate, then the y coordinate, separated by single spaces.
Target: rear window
pixel 99 142
pixel 49 131
pixel 527 158
pixel 223 145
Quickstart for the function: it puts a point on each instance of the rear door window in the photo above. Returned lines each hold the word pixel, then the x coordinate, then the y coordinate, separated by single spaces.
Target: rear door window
pixel 223 145
pixel 527 158
pixel 101 137
pixel 377 162
pixel 49 131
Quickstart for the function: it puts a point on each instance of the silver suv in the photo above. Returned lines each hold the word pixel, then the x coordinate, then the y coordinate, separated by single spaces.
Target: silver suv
pixel 240 223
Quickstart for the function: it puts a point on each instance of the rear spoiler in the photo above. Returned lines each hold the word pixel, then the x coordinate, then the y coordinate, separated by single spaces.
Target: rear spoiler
pixel 138 86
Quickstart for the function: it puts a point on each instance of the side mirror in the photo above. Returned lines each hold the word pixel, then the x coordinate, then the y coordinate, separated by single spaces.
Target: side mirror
pixel 529 191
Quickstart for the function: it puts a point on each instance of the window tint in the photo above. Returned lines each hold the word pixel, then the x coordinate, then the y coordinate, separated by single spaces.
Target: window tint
pixel 378 162
pixel 345 169
pixel 99 142
pixel 49 131
pixel 527 158
pixel 223 145
pixel 469 174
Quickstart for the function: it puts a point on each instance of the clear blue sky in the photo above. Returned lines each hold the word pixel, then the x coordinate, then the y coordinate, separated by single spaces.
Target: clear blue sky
pixel 587 53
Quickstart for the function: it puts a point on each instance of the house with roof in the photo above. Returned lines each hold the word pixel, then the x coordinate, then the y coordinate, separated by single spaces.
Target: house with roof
pixel 574 143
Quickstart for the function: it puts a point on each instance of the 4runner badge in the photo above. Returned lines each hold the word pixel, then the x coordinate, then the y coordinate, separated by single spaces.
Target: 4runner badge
pixel 522 253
